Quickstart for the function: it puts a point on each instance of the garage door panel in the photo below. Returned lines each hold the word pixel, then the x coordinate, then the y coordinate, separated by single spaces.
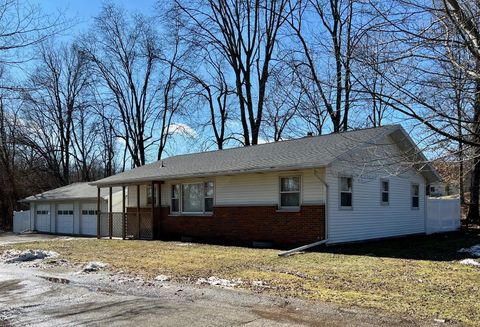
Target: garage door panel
pixel 43 218
pixel 88 219
pixel 65 218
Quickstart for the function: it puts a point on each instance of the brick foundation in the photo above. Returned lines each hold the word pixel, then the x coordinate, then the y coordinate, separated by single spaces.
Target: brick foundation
pixel 244 225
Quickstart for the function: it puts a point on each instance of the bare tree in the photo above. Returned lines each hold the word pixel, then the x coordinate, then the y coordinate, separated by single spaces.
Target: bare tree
pixel 55 94
pixel 335 40
pixel 246 33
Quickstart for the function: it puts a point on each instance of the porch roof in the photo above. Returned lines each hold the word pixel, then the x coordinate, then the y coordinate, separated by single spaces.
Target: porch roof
pixel 303 153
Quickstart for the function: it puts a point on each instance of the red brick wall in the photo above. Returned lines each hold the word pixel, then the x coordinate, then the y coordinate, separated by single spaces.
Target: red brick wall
pixel 243 225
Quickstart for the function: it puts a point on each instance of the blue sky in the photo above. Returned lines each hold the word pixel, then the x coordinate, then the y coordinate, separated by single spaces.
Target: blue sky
pixel 83 11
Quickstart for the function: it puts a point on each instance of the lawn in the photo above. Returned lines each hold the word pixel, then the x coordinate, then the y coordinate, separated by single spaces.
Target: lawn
pixel 416 277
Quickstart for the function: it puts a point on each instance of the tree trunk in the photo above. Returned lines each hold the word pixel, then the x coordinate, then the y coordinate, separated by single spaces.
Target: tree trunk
pixel 473 210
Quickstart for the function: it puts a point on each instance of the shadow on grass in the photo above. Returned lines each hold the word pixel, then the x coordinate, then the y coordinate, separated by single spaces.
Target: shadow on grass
pixel 437 247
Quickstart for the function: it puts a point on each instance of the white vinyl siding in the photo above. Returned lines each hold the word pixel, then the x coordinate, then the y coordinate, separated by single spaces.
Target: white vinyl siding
pixel 257 189
pixel 369 219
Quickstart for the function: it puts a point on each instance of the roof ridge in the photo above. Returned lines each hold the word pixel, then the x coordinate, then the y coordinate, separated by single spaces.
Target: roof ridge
pixel 277 142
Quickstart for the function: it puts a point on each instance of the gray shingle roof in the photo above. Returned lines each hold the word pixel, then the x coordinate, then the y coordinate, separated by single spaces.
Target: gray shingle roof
pixel 316 151
pixel 75 191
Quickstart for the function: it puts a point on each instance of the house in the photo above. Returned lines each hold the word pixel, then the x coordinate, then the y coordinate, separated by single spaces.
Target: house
pixel 342 187
pixel 70 209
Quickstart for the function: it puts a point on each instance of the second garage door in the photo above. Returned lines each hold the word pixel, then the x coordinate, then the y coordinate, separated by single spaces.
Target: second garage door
pixel 65 219
pixel 88 219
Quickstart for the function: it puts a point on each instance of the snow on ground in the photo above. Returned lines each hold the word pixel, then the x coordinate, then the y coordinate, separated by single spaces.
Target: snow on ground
pixel 162 278
pixel 94 266
pixel 12 256
pixel 214 281
pixel 470 262
pixel 473 250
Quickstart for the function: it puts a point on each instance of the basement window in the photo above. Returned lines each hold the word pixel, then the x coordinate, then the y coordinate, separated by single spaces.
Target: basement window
pixel 289 192
pixel 415 196
pixel 346 192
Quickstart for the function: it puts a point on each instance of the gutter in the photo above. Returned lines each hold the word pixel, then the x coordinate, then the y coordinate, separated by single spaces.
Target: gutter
pixel 325 240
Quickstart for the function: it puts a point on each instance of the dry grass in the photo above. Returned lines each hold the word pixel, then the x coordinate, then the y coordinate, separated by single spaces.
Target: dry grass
pixel 416 277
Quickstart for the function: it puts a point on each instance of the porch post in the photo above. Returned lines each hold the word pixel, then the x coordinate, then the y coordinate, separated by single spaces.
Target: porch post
pixel 110 214
pixel 98 212
pixel 124 225
pixel 159 228
pixel 154 198
pixel 138 209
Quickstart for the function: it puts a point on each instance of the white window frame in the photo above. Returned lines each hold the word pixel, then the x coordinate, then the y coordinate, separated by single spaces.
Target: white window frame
pixel 177 198
pixel 382 191
pixel 180 199
pixel 412 196
pixel 280 192
pixel 340 193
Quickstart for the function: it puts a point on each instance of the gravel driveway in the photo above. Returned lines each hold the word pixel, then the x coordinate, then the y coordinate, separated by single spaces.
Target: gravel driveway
pixel 45 294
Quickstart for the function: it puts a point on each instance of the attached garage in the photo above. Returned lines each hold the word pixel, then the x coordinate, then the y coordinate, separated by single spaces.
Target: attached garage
pixel 70 210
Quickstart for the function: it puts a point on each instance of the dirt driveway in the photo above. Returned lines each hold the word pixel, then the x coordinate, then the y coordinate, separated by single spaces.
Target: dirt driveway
pixel 57 292
pixel 12 238
pixel 38 297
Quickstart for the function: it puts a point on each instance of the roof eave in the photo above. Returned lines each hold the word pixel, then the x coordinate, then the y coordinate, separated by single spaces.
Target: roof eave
pixel 134 181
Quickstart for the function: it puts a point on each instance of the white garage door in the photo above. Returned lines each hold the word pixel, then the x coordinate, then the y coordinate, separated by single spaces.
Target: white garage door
pixel 42 223
pixel 88 219
pixel 65 219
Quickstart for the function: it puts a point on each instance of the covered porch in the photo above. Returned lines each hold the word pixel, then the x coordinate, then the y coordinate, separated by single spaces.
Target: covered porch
pixel 139 216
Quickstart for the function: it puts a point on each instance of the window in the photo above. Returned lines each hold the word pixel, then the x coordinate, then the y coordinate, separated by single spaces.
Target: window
pixel 65 212
pixel 289 192
pixel 415 195
pixel 208 197
pixel 346 192
pixel 385 192
pixel 432 189
pixel 42 212
pixel 89 212
pixel 150 195
pixel 175 198
pixel 192 198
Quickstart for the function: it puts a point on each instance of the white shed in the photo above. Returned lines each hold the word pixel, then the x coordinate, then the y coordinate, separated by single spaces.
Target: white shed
pixel 70 210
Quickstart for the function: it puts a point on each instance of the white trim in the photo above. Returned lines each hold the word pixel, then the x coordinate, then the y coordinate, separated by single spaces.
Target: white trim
pixel 383 203
pixel 300 193
pixel 340 193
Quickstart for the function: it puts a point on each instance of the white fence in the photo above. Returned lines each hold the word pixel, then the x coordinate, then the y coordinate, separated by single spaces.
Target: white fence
pixel 21 221
pixel 443 215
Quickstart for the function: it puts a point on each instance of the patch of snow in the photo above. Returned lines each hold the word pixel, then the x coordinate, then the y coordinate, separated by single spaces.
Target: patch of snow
pixel 439 321
pixel 470 262
pixel 162 278
pixel 214 281
pixel 473 250
pixel 184 244
pixel 259 283
pixel 94 266
pixel 12 256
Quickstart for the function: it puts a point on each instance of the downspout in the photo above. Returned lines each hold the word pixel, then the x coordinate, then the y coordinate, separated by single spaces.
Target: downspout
pixel 325 240
pixel 320 178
